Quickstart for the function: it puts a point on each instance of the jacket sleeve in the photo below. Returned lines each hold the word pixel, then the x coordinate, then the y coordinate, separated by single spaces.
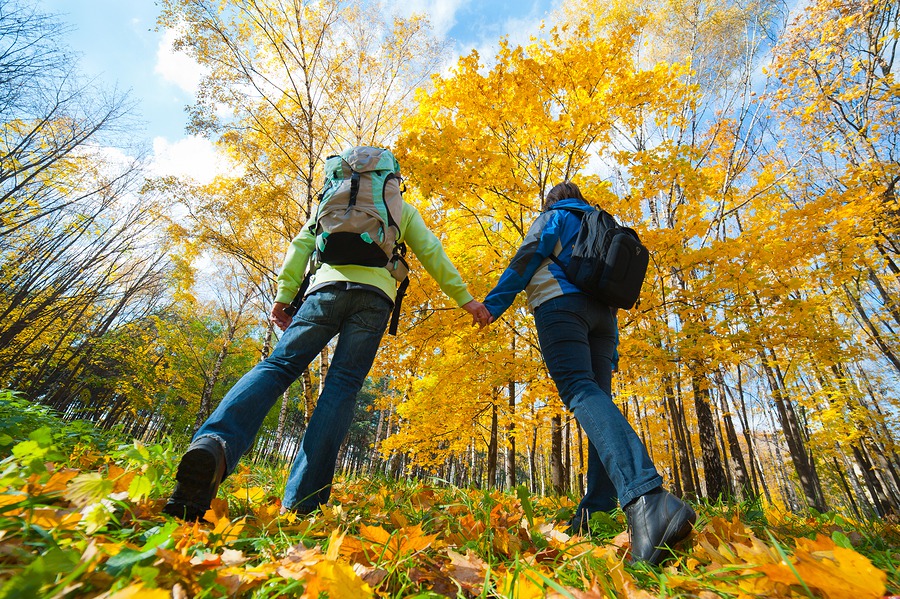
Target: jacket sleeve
pixel 428 249
pixel 538 244
pixel 295 262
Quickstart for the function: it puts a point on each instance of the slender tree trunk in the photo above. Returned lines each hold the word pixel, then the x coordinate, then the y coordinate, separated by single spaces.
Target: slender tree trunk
pixel 737 455
pixel 581 469
pixel 803 463
pixel 846 487
pixel 557 480
pixel 882 503
pixel 683 462
pixel 208 385
pixel 282 418
pixel 714 473
pixel 511 437
pixel 532 461
pixel 567 473
pixel 873 331
pixel 324 362
pixel 889 299
pixel 755 472
pixel 308 399
pixel 492 447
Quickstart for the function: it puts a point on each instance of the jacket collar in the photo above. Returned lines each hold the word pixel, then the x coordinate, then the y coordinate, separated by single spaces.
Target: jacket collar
pixel 572 204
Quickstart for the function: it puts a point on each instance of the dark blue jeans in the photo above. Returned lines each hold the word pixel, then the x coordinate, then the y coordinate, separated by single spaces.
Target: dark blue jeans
pixel 578 338
pixel 359 317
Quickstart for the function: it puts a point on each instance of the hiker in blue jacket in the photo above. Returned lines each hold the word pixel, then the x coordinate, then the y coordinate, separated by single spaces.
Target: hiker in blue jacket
pixel 578 336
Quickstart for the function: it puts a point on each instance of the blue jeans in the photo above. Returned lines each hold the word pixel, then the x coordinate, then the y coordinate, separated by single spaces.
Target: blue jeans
pixel 578 338
pixel 359 317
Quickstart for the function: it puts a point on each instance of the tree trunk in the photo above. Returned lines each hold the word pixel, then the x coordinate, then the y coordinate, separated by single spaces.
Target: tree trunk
pixel 873 331
pixel 532 462
pixel 324 362
pixel 683 463
pixel 846 487
pixel 492 448
pixel 557 480
pixel 206 396
pixel 803 463
pixel 755 473
pixel 883 506
pixel 282 418
pixel 714 473
pixel 581 468
pixel 511 438
pixel 734 446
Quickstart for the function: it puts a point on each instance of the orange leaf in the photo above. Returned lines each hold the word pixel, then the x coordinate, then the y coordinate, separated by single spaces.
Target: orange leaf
pixel 59 480
pixel 836 572
pixel 53 519
pixel 376 534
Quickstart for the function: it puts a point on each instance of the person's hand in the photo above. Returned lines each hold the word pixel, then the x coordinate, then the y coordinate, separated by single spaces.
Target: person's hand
pixel 279 316
pixel 480 315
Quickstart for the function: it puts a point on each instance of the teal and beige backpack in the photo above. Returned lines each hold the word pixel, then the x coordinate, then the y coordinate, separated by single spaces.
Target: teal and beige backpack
pixel 358 217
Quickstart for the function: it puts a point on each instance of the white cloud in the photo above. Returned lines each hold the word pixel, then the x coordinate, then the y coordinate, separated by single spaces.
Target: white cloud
pixel 441 13
pixel 518 31
pixel 177 67
pixel 192 157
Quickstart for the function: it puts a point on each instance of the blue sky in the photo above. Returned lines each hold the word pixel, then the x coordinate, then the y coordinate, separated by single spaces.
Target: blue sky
pixel 118 43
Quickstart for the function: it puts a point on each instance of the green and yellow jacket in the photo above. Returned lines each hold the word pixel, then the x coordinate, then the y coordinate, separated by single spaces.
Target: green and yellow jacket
pixel 413 231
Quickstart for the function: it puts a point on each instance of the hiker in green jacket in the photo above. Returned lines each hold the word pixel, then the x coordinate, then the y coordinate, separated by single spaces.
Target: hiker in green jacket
pixel 349 300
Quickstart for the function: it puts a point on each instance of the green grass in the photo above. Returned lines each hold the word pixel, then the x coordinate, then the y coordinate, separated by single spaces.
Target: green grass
pixel 80 517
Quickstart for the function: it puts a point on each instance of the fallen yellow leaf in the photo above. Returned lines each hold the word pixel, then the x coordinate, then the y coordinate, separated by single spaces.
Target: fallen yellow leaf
pixel 139 591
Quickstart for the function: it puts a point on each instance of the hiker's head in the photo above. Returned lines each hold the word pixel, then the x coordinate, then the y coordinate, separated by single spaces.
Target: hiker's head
pixel 562 191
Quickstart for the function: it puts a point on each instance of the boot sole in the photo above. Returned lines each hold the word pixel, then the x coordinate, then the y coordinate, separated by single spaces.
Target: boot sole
pixel 197 470
pixel 195 475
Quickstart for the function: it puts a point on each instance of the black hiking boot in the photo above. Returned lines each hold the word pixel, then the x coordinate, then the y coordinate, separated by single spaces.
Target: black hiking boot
pixel 656 521
pixel 197 480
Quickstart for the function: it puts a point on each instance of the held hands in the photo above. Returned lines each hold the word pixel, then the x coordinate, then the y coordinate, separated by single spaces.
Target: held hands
pixel 480 315
pixel 279 316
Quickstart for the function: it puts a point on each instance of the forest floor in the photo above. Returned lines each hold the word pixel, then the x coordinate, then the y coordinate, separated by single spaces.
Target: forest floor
pixel 80 516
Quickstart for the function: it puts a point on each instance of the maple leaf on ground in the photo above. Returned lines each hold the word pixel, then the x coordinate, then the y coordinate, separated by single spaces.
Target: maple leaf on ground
pixel 50 519
pixel 338 581
pixel 58 481
pixel 228 531
pixel 386 545
pixel 298 561
pixel 87 488
pixel 468 570
pixel 233 557
pixel 836 572
pixel 251 495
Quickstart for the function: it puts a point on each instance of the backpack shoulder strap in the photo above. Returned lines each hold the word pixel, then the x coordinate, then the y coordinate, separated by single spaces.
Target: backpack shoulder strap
pixel 580 213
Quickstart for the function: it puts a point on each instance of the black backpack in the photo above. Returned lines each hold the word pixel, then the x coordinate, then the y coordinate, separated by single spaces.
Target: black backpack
pixel 608 260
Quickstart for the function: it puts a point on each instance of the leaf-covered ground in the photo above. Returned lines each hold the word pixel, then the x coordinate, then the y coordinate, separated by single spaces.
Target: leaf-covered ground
pixel 80 517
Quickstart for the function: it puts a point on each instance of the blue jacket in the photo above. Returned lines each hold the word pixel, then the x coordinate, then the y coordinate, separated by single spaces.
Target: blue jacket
pixel 553 232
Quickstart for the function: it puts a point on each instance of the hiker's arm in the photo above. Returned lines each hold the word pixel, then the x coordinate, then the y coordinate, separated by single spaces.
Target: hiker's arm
pixel 294 266
pixel 428 249
pixel 538 244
